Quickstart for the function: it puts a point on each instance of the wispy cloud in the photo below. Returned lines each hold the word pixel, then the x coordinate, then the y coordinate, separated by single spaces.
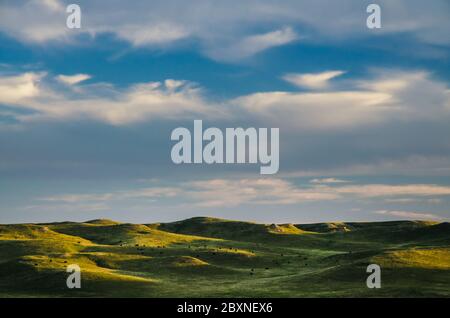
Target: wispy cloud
pixel 409 215
pixel 73 79
pixel 312 80
pixel 414 200
pixel 153 193
pixel 209 193
pixel 156 34
pixel 409 165
pixel 387 96
pixel 214 25
pixel 68 207
pixel 53 5
pixel 18 89
pixel 327 180
pixel 254 191
pixel 169 99
pixel 387 190
pixel 223 192
pixel 253 44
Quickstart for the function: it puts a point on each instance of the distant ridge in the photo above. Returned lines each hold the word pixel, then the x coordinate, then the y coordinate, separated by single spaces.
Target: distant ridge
pixel 102 222
pixel 229 229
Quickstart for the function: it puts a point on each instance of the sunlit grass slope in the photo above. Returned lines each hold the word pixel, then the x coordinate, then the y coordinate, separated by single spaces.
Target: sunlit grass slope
pixel 208 257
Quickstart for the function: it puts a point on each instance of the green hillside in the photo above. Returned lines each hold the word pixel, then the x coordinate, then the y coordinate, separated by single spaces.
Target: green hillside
pixel 208 257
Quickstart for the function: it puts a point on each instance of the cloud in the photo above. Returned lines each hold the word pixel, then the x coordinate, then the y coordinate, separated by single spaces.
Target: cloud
pixel 406 165
pixel 230 25
pixel 318 111
pixel 312 80
pixel 155 192
pixel 169 99
pixel 53 5
pixel 19 88
pixel 254 191
pixel 414 200
pixel 209 193
pixel 73 79
pixel 235 192
pixel 158 34
pixel 143 24
pixel 253 44
pixel 409 215
pixel 63 208
pixel 385 190
pixel 335 132
pixel 34 21
pixel 388 96
pixel 327 180
pixel 223 192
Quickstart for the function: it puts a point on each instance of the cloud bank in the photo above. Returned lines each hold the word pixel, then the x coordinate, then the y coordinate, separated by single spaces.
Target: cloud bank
pixel 222 31
pixel 388 96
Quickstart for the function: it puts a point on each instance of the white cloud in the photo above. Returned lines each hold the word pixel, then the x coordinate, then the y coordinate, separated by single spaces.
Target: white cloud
pixel 409 215
pixel 388 96
pixel 402 200
pixel 254 191
pixel 170 99
pixel 210 193
pixel 318 111
pixel 73 79
pixel 253 44
pixel 384 190
pixel 19 88
pixel 226 192
pixel 312 80
pixel 158 34
pixel 414 200
pixel 228 25
pixel 327 180
pixel 220 31
pixel 54 5
pixel 34 20
pixel 75 198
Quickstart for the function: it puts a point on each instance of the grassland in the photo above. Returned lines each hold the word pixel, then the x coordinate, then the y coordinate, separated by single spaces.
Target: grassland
pixel 206 257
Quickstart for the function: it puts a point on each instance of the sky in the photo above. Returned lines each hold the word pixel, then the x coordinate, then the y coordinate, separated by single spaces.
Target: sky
pixel 86 114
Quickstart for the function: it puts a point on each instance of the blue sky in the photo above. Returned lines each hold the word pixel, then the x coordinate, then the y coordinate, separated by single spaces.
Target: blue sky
pixel 86 114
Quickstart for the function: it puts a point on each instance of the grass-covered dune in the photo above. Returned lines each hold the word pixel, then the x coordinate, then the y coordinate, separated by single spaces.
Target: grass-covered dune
pixel 207 257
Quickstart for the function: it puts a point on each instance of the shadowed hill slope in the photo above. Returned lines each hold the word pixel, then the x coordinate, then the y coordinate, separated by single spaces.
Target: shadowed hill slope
pixel 227 229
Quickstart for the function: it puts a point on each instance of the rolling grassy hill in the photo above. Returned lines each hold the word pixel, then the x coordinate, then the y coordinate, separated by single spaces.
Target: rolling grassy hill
pixel 207 257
